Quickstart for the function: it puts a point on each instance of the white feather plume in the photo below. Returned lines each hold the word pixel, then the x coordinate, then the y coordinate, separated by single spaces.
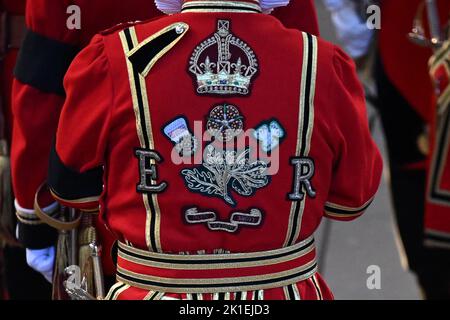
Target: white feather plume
pixel 169 6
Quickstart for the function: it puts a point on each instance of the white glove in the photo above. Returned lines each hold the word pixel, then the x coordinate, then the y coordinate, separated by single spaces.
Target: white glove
pixel 42 261
pixel 351 31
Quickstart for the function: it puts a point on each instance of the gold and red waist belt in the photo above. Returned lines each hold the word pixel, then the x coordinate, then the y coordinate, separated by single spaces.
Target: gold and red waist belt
pixel 213 273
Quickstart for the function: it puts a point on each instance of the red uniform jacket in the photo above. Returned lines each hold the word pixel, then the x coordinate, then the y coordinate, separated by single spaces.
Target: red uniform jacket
pixel 49 49
pixel 437 215
pixel 145 103
pixel 404 60
pixel 39 94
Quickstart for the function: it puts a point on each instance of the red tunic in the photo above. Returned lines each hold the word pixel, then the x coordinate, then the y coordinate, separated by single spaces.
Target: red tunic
pixel 142 99
pixel 404 60
pixel 437 215
pixel 50 47
pixel 40 118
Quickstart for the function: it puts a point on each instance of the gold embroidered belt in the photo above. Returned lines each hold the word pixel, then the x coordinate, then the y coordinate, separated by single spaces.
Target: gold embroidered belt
pixel 213 273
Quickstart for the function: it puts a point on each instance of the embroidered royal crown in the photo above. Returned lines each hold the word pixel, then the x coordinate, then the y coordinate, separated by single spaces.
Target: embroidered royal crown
pixel 223 64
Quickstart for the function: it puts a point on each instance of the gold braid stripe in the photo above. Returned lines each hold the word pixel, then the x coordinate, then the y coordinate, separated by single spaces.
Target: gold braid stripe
pixel 228 261
pixel 212 285
pixel 294 227
pixel 346 208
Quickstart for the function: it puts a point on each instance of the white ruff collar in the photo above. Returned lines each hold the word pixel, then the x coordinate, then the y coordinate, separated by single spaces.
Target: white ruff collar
pixel 176 6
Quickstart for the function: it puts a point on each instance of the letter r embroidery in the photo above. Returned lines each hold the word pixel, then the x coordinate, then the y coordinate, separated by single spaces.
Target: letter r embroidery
pixel 303 173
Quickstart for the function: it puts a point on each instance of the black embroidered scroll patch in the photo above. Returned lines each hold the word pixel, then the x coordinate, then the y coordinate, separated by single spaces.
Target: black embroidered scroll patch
pixel 223 64
pixel 253 218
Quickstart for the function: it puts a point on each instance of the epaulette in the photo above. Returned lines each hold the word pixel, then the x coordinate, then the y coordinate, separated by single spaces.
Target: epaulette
pixel 150 50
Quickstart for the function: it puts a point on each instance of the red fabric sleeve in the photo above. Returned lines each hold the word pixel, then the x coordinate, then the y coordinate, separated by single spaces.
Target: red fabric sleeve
pixel 82 136
pixel 82 133
pixel 84 125
pixel 358 164
pixel 36 112
pixel 33 134
pixel 85 117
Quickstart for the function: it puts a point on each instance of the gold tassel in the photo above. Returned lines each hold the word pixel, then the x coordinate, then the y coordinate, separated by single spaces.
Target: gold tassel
pixel 74 249
pixel 61 263
pixel 64 256
pixel 87 235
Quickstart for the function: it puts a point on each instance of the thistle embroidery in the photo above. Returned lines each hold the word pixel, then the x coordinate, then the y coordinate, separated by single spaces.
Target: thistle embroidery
pixel 225 170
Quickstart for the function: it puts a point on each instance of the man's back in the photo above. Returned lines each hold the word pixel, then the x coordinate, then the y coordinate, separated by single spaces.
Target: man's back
pixel 220 132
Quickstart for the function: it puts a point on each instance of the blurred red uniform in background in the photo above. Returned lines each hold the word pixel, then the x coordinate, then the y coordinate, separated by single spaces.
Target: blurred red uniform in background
pixel 407 109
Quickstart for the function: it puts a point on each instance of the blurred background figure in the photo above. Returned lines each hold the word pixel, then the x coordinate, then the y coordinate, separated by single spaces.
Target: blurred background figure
pixel 18 281
pixel 437 212
pixel 405 106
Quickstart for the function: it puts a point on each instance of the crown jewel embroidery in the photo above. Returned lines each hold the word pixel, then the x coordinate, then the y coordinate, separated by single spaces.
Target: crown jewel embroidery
pixel 223 64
